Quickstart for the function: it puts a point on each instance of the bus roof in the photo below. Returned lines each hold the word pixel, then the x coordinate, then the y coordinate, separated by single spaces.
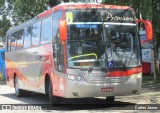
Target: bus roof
pixel 90 5
pixel 64 6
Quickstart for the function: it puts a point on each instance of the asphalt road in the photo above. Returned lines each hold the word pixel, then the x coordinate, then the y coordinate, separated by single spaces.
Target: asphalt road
pixel 150 96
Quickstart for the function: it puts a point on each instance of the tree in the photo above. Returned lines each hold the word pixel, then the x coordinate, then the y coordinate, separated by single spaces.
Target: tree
pixel 18 11
pixel 4 22
pixel 4 26
pixel 27 9
pixel 1 2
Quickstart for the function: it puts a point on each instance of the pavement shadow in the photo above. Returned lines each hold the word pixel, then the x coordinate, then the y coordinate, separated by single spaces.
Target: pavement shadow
pixel 33 98
pixel 90 104
pixel 72 104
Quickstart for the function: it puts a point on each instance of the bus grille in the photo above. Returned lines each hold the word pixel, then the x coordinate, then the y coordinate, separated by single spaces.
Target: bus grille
pixel 104 79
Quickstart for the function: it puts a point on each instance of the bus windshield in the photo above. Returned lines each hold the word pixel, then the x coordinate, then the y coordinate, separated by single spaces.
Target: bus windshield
pixel 102 38
pixel 85 45
pixel 123 48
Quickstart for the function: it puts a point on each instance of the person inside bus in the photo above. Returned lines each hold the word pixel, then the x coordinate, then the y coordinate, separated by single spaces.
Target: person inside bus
pixel 114 37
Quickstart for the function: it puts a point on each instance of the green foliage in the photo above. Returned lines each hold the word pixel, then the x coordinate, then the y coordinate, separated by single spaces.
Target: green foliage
pixel 4 22
pixel 4 26
pixel 18 11
pixel 1 2
pixel 1 6
pixel 27 9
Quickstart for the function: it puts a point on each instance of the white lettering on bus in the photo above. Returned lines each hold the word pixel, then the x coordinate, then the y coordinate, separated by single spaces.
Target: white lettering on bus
pixel 117 18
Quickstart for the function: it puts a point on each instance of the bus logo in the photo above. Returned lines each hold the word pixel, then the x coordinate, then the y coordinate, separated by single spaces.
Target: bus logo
pixel 6 107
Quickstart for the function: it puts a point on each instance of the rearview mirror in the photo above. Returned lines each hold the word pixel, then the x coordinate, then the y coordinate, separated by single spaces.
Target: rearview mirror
pixel 147 29
pixel 63 30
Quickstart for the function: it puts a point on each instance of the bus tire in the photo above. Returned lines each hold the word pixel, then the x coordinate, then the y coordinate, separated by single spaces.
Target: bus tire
pixel 19 92
pixel 110 99
pixel 53 99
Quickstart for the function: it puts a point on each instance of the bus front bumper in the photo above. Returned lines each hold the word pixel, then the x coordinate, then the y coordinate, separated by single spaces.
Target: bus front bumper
pixel 82 89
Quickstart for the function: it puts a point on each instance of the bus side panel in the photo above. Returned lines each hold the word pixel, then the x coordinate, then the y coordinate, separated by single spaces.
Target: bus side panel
pixel 58 83
pixel 10 69
pixel 30 66
pixel 38 64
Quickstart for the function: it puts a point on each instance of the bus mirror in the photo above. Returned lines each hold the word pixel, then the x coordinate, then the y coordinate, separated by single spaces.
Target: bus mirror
pixel 63 30
pixel 147 29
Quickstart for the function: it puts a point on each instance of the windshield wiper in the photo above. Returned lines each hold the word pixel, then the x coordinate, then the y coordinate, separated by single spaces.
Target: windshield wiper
pixel 91 67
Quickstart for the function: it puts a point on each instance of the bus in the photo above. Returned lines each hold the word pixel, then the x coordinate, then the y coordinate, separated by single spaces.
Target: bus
pixel 77 50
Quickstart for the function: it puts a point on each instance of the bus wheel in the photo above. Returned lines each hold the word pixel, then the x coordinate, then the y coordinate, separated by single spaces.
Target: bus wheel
pixel 53 99
pixel 110 99
pixel 19 92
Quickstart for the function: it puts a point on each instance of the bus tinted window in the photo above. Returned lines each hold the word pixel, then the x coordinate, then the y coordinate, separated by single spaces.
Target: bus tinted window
pixel 36 33
pixel 56 17
pixel 85 15
pixel 20 39
pixel 27 36
pixel 46 30
pixel 58 51
pixel 13 41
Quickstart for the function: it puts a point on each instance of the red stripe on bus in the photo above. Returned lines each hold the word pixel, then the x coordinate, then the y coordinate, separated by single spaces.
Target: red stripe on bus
pixel 120 73
pixel 46 13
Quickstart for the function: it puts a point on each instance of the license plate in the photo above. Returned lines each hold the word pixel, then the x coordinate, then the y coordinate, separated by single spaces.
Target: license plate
pixel 107 89
pixel 86 64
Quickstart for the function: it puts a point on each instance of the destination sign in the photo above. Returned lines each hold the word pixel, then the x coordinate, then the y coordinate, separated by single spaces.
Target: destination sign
pixel 125 16
pixel 99 15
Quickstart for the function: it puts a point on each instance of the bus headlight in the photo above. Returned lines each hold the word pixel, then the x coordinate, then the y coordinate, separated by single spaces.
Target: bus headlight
pixel 139 76
pixel 71 77
pixel 74 77
pixel 78 78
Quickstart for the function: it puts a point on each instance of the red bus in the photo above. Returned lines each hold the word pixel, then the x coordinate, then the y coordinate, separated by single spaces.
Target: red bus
pixel 76 50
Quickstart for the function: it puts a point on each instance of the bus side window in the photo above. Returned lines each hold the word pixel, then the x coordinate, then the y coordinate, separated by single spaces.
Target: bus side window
pixel 27 36
pixel 58 52
pixel 46 30
pixel 20 40
pixel 13 41
pixel 36 33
